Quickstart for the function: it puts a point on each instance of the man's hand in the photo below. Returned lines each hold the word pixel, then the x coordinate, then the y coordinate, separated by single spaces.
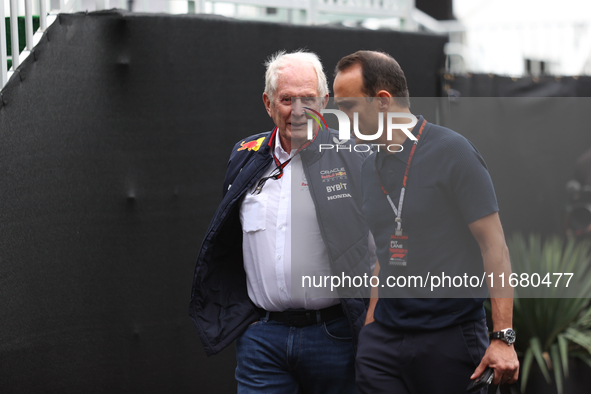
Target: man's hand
pixel 503 359
pixel 488 232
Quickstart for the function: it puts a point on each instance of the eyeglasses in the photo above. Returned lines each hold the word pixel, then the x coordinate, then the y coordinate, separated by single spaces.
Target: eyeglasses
pixel 276 174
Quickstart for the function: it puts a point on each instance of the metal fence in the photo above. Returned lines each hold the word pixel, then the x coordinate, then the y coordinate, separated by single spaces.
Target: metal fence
pixel 31 39
pixel 311 11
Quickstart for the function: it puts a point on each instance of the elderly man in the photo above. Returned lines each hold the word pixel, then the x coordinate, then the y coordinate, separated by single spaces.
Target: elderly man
pixel 246 287
pixel 431 206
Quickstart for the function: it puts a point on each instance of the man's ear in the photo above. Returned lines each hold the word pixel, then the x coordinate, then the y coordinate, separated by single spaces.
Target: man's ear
pixel 267 102
pixel 324 102
pixel 385 99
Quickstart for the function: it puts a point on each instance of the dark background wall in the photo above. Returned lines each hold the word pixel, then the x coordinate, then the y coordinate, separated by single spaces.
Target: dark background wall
pixel 114 138
pixel 490 85
pixel 530 131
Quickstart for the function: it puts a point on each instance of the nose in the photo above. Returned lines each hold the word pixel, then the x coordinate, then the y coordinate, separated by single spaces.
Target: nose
pixel 297 109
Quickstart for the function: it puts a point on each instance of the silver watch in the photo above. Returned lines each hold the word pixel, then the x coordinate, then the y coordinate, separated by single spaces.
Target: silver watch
pixel 507 335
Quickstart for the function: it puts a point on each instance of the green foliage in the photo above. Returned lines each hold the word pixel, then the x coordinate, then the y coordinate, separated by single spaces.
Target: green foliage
pixel 550 327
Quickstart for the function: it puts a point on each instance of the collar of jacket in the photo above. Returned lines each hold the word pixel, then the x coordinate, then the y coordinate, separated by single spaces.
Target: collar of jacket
pixel 310 154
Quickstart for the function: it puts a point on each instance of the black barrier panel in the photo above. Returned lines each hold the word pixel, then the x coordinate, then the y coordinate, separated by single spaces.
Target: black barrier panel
pixel 490 85
pixel 438 9
pixel 530 160
pixel 115 134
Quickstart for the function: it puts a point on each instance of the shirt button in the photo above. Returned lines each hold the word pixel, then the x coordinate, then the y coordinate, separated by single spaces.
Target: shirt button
pixel 281 288
pixel 278 257
pixel 280 227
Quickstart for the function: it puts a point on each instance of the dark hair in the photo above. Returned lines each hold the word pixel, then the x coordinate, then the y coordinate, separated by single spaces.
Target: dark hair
pixel 380 72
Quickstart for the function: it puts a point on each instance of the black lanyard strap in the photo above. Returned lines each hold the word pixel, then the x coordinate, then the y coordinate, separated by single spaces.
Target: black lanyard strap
pixel 277 173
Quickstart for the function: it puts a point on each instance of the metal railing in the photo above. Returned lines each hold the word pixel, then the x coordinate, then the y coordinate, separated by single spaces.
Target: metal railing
pixel 30 39
pixel 354 8
pixel 315 11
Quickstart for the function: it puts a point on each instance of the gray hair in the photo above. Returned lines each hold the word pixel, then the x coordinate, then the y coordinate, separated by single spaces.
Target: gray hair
pixel 280 59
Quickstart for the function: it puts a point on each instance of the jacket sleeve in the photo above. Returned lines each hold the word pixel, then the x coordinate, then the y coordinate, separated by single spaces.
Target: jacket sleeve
pixel 230 170
pixel 240 155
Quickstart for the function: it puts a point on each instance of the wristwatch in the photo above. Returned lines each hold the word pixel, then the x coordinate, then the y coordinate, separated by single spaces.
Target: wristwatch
pixel 507 335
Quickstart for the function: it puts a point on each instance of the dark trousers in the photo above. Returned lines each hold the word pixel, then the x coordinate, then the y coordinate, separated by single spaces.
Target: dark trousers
pixel 419 362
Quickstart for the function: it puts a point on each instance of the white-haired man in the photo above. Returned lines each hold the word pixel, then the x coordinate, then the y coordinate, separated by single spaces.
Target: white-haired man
pixel 288 339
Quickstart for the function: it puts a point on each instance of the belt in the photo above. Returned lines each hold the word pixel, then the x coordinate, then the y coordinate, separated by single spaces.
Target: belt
pixel 304 317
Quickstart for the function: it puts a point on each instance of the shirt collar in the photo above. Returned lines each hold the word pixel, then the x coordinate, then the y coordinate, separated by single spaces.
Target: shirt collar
pixel 280 153
pixel 406 147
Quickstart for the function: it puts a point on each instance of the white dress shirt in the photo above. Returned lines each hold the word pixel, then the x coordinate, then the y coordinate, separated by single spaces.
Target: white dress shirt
pixel 272 243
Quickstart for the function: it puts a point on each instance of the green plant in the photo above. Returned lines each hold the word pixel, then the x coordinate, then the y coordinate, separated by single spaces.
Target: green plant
pixel 552 322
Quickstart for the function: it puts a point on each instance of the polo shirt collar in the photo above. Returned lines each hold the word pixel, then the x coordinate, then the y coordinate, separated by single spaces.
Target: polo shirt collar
pixel 406 147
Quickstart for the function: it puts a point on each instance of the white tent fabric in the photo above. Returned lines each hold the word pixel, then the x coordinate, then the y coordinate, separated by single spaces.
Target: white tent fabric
pixel 501 34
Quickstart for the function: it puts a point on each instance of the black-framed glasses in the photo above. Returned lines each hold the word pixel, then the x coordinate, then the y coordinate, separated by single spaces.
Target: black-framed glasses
pixel 276 174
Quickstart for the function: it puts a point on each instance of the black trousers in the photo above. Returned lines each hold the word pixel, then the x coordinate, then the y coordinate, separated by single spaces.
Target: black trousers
pixel 419 362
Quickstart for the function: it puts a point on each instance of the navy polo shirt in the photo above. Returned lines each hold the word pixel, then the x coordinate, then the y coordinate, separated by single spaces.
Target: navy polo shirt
pixel 448 187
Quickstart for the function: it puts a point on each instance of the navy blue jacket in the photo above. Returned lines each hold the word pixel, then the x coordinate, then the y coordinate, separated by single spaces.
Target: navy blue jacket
pixel 220 306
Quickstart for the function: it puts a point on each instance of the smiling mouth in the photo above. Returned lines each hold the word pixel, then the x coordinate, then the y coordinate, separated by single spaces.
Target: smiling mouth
pixel 298 125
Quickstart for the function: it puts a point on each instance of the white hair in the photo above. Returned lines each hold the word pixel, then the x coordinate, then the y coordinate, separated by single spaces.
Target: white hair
pixel 281 59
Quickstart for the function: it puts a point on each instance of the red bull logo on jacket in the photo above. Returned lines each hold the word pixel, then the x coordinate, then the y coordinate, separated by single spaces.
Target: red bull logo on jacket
pixel 252 145
pixel 334 174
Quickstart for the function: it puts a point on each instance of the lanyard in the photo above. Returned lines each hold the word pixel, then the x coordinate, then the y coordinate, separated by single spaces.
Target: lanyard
pixel 398 211
pixel 277 173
